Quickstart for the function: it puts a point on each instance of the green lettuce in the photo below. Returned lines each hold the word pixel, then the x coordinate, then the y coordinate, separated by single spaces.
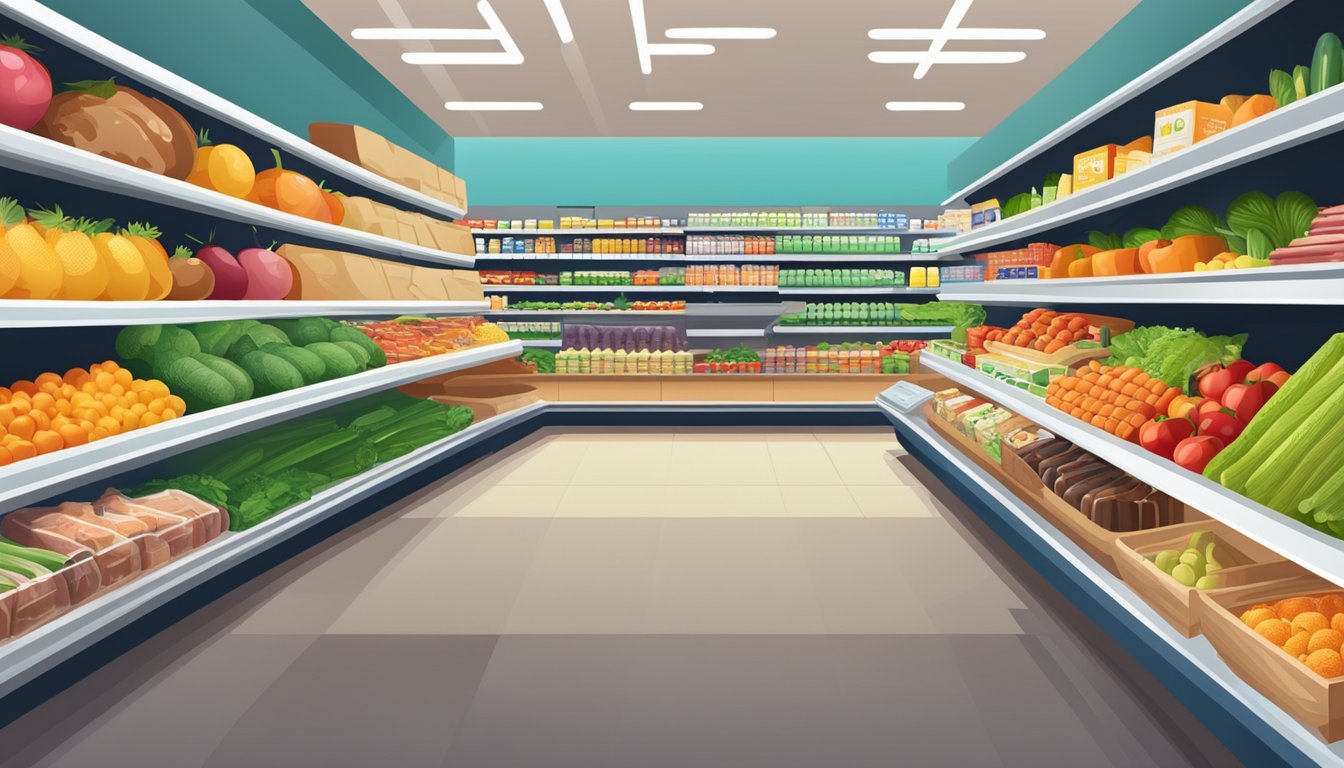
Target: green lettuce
pixel 1192 220
pixel 956 313
pixel 1173 354
pixel 1140 235
pixel 1267 223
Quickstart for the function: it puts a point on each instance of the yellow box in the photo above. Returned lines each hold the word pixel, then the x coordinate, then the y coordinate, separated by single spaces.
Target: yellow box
pixel 1094 166
pixel 1183 125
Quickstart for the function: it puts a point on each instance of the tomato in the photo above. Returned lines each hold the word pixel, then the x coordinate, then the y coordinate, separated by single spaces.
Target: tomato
pixel 1195 453
pixel 1214 384
pixel 1263 372
pixel 25 85
pixel 1161 435
pixel 1205 408
pixel 1246 400
pixel 1280 378
pixel 1183 406
pixel 1223 425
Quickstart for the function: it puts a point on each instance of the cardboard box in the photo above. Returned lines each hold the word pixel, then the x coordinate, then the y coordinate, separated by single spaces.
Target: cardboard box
pixel 1094 166
pixel 373 152
pixel 1184 125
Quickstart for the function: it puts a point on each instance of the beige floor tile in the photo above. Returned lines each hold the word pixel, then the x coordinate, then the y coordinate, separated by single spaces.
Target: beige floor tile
pixel 865 463
pixel 460 578
pixel 505 501
pixel 892 501
pixel 552 462
pixel 819 501
pixel 613 501
pixel 802 463
pixel 725 501
pixel 857 435
pixel 615 460
pixel 720 463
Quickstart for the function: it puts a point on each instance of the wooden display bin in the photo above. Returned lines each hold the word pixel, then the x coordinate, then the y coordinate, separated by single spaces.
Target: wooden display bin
pixel 1316 701
pixel 487 399
pixel 1244 563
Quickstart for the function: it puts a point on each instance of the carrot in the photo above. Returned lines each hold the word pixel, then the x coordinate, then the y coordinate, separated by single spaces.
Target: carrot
pixel 1128 374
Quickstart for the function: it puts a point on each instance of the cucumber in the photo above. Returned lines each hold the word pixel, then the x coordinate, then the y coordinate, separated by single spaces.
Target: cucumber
pixel 1327 63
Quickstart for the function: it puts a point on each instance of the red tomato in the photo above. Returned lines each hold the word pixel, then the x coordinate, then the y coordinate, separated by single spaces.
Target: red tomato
pixel 1223 425
pixel 1280 378
pixel 1195 453
pixel 25 85
pixel 1246 400
pixel 1213 385
pixel 1263 371
pixel 1205 408
pixel 1161 435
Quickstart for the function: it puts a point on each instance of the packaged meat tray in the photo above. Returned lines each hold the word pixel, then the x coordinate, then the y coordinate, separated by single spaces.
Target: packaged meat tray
pixel 64 530
pixel 32 597
pixel 166 535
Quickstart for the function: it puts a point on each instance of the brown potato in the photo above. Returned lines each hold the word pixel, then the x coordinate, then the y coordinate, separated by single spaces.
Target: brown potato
pixel 129 127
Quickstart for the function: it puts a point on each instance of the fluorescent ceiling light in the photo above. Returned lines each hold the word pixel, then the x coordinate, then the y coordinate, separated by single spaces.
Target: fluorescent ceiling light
pixel 720 33
pixel 421 33
pixel 495 30
pixel 560 20
pixel 666 106
pixel 964 33
pixel 926 106
pixel 680 49
pixel 492 106
pixel 946 57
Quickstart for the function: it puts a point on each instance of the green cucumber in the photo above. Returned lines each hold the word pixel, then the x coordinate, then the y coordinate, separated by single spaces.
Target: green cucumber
pixel 1327 63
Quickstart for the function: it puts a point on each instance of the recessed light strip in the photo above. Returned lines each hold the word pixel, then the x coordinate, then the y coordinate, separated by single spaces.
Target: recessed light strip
pixel 511 55
pixel 560 20
pixel 666 106
pixel 946 57
pixel 926 106
pixel 720 33
pixel 421 33
pixel 964 33
pixel 492 106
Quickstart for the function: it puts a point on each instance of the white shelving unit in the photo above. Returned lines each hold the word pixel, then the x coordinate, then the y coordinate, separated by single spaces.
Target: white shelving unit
pixel 1253 13
pixel 1195 650
pixel 1315 551
pixel 631 288
pixel 541 343
pixel 29 153
pixel 116 58
pixel 25 657
pixel 1314 284
pixel 508 313
pixel 890 330
pixel 44 476
pixel 1311 118
pixel 27 313
pixel 820 231
pixel 889 290
pixel 725 333
pixel 742 258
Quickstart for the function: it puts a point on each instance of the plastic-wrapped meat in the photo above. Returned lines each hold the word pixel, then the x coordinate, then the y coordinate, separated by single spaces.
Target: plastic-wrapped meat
pixel 166 536
pixel 118 558
pixel 33 601
pixel 209 520
pixel 82 577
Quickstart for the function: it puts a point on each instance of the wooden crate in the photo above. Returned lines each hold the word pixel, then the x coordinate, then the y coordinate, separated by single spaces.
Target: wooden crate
pixel 1316 701
pixel 1244 561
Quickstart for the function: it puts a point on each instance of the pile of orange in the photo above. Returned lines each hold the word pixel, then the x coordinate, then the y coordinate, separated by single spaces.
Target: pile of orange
pixel 53 412
pixel 1310 629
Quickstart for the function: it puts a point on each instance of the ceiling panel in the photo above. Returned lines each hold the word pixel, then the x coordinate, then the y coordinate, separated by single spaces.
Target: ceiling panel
pixel 814 78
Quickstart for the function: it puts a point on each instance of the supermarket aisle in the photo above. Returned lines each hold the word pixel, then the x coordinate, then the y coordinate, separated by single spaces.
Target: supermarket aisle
pixel 655 599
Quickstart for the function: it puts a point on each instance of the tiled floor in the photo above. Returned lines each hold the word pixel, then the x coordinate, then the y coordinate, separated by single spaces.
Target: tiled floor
pixel 635 599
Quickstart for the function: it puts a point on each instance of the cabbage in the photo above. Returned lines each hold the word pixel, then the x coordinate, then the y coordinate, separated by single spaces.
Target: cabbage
pixel 1173 354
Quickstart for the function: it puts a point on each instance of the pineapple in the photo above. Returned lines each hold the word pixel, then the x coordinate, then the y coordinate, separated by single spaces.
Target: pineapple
pixel 127 273
pixel 40 275
pixel 146 239
pixel 85 270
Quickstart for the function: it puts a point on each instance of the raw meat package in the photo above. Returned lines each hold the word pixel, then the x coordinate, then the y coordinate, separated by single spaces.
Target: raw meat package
pixel 64 530
pixel 31 599
pixel 206 520
pixel 164 536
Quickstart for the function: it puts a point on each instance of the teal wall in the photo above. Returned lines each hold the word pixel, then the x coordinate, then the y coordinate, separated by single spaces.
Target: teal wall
pixel 1147 35
pixel 706 171
pixel 273 57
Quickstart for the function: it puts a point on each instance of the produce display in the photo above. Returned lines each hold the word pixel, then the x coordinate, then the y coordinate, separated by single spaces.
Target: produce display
pixel 710 274
pixel 839 278
pixel 412 338
pixel 663 338
pixel 53 558
pixel 531 330
pixel 952 313
pixel 1196 565
pixel 262 473
pixel 540 360
pixel 56 411
pixel 739 245
pixel 793 219
pixel 847 357
pixel 573 222
pixel 736 360
pixel 579 245
pixel 230 361
pixel 640 361
pixel 1309 628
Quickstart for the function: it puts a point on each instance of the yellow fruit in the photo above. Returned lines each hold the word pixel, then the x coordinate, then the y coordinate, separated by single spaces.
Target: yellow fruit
pixel 1253 617
pixel 85 272
pixel 1297 644
pixel 9 267
pixel 1288 608
pixel 145 239
pixel 224 168
pixel 1310 621
pixel 127 273
pixel 40 272
pixel 1214 266
pixel 1326 663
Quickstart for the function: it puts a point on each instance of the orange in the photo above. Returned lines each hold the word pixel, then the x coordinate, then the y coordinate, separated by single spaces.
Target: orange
pixel 25 386
pixel 43 401
pixel 73 375
pixel 1253 617
pixel 1337 622
pixel 1290 607
pixel 1331 604
pixel 176 404
pixel 22 426
pixel 1325 638
pixel 47 441
pixel 123 377
pixel 111 366
pixel 22 449
pixel 1276 631
pixel 1297 644
pixel 151 418
pixel 72 435
pixel 1310 621
pixel 5 456
pixel 1326 663
pixel 40 418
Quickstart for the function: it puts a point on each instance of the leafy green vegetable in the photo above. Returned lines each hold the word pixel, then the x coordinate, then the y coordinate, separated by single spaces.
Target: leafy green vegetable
pixel 204 487
pixel 1138 236
pixel 542 359
pixel 956 313
pixel 1106 241
pixel 1192 220
pixel 1281 87
pixel 1173 354
pixel 1258 244
pixel 1294 212
pixel 1277 221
